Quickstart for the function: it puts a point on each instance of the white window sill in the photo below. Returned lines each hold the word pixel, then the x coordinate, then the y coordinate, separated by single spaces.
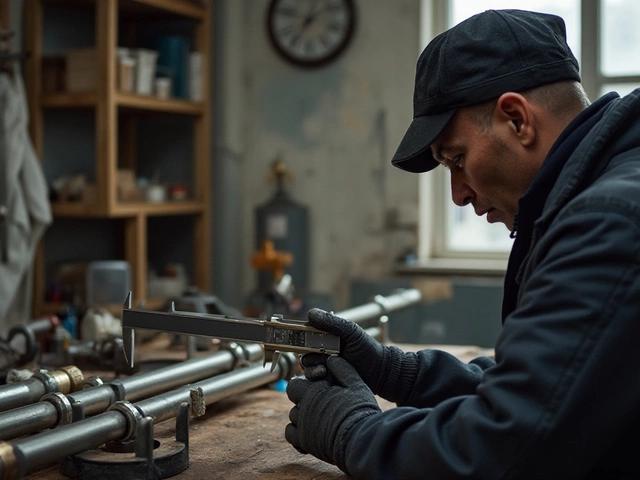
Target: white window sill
pixel 455 266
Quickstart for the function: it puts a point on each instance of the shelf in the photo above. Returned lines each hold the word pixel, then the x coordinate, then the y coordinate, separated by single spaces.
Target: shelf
pixel 90 210
pixel 145 8
pixel 182 7
pixel 183 207
pixel 124 100
pixel 75 209
pixel 122 136
pixel 141 102
pixel 68 100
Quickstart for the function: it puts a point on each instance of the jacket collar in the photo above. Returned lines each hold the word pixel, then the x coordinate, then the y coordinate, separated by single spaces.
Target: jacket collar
pixel 593 152
pixel 574 161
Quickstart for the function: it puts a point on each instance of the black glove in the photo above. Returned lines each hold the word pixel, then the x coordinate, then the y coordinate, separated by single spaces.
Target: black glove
pixel 326 410
pixel 387 371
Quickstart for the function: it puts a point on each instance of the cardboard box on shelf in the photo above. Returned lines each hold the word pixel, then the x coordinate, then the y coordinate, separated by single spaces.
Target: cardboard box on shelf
pixel 128 191
pixel 82 66
pixel 126 74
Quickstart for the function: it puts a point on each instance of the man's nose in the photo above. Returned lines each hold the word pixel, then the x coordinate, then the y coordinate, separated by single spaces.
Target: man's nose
pixel 461 193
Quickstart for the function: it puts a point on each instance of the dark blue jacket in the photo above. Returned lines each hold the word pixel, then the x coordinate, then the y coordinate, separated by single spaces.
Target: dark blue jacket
pixel 562 397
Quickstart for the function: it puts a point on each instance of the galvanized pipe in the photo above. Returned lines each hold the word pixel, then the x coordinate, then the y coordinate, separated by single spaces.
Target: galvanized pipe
pixel 45 414
pixel 29 454
pixel 16 394
pixel 382 305
pixel 37 416
pixel 65 380
pixel 162 407
pixel 39 451
pixel 33 418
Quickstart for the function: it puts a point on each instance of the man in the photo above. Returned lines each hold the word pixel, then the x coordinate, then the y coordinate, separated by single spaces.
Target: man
pixel 498 102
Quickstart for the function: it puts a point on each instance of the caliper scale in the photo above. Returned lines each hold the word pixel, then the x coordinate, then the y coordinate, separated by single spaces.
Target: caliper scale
pixel 275 333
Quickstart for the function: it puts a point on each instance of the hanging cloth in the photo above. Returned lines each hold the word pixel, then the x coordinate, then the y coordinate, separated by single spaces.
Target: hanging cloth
pixel 23 193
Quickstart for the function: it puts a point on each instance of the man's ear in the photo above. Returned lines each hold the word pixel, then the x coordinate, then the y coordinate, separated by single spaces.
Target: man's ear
pixel 514 111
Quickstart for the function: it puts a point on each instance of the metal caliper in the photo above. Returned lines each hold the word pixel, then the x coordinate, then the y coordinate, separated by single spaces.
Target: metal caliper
pixel 276 333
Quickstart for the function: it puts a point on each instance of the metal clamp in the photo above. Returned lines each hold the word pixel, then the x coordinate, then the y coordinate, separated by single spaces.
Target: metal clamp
pixel 239 354
pixel 384 304
pixel 49 382
pixel 92 381
pixel 118 389
pixel 131 413
pixel 63 406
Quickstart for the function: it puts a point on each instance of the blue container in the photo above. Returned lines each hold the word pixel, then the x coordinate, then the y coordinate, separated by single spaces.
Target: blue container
pixel 173 54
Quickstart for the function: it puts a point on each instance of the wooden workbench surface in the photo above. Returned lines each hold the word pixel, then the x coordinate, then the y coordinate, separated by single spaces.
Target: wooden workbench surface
pixel 243 437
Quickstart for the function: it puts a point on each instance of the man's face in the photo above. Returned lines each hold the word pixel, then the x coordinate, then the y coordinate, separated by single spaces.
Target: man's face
pixel 488 167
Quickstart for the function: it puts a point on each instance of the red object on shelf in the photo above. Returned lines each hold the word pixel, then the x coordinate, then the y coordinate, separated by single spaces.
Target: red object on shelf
pixel 178 192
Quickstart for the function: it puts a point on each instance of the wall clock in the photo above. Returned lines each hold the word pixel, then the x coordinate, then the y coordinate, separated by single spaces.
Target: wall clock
pixel 310 33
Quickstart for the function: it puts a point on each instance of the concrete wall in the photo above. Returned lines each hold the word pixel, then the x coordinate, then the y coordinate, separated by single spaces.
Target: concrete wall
pixel 336 128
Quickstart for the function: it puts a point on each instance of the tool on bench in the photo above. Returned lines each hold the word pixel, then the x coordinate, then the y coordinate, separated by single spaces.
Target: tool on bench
pixel 276 333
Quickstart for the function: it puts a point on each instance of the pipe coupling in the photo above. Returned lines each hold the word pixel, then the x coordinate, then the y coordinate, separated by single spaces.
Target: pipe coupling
pixel 48 380
pixel 132 414
pixel 65 379
pixel 239 357
pixel 92 381
pixel 63 406
pixel 69 378
pixel 383 302
pixel 8 462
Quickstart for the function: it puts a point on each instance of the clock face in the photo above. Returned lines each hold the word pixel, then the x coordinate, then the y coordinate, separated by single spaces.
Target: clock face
pixel 310 33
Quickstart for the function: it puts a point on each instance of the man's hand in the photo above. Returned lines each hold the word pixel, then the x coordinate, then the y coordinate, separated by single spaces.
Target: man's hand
pixel 326 410
pixel 387 371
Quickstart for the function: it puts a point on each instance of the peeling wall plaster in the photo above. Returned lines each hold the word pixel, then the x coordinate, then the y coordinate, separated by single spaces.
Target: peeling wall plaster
pixel 336 128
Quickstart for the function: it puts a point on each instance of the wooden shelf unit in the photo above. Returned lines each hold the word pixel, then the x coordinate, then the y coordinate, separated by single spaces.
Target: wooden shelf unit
pixel 111 109
pixel 123 100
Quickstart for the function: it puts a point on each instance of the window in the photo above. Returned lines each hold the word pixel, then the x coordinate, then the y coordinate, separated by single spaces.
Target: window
pixel 618 57
pixel 609 60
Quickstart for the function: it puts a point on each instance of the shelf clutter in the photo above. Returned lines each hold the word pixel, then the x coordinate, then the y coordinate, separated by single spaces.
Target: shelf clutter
pixel 171 71
pixel 125 97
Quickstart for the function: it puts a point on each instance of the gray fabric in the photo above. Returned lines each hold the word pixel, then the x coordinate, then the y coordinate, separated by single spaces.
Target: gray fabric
pixel 28 209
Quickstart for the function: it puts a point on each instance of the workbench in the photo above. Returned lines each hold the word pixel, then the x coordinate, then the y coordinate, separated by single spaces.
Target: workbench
pixel 243 437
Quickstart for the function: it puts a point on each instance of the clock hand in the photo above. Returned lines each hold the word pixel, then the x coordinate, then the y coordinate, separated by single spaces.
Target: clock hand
pixel 308 20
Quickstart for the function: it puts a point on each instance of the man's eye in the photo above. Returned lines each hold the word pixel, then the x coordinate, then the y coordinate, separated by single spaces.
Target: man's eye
pixel 455 161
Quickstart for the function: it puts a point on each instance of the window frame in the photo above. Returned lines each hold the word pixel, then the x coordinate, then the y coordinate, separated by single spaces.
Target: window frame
pixel 433 254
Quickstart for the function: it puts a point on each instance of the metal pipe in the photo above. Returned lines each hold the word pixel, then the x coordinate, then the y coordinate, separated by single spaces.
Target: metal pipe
pixel 65 380
pixel 47 414
pixel 137 387
pixel 163 406
pixel 382 305
pixel 37 416
pixel 44 325
pixel 39 451
pixel 29 454
pixel 29 419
